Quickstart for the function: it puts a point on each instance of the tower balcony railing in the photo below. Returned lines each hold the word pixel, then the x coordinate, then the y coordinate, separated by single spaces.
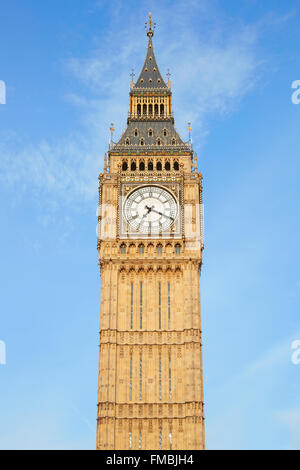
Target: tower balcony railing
pixel 151 116
pixel 178 147
pixel 151 175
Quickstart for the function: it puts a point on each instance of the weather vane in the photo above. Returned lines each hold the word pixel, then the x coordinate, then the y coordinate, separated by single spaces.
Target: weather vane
pixel 149 25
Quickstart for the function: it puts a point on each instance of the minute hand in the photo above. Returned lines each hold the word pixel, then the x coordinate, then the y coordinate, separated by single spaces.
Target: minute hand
pixel 160 213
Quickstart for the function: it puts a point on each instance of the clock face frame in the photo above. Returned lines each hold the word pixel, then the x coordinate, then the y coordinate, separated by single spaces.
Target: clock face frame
pixel 150 211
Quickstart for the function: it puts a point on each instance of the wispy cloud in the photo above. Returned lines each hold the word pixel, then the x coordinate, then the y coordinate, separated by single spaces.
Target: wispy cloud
pixel 212 69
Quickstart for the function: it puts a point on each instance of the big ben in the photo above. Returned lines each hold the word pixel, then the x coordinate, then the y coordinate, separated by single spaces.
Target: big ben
pixel 150 243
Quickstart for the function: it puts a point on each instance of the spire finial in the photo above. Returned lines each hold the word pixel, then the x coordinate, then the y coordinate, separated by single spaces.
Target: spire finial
pixel 189 128
pixel 132 77
pixel 149 25
pixel 111 134
pixel 169 75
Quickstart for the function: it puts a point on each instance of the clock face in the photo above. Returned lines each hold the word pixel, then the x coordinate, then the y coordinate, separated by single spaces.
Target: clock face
pixel 150 209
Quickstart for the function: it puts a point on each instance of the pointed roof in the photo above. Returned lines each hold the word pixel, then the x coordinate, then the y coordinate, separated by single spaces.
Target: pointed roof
pixel 150 76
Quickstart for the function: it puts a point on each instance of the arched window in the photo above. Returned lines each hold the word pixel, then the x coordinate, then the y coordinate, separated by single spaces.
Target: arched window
pixel 167 166
pixel 158 142
pixel 127 141
pixel 124 166
pixel 165 132
pixel 142 166
pixel 139 110
pixel 162 109
pixel 141 249
pixel 142 142
pixel 156 109
pixel 173 141
pixel 177 249
pixel 144 109
pixel 133 166
pixel 123 248
pixel 150 133
pixel 136 131
pixel 159 249
pixel 176 166
pixel 150 108
pixel 150 166
pixel 159 166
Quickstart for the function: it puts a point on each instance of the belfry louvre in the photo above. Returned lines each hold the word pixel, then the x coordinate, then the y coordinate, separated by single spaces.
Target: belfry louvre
pixel 150 242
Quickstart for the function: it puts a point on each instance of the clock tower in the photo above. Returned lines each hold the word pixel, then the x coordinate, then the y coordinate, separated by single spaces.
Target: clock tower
pixel 150 242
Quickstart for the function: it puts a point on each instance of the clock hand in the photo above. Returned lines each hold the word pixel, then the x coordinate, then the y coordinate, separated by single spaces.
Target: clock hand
pixel 148 211
pixel 165 215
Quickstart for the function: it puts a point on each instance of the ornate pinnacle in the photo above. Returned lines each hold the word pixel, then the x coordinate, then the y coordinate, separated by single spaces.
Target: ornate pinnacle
pixel 169 75
pixel 111 134
pixel 189 128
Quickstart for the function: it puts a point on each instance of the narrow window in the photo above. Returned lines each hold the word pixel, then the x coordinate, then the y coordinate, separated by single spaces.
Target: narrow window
pixel 130 381
pixel 141 305
pixel 161 109
pixel 150 109
pixel 159 166
pixel 158 142
pixel 130 441
pixel 142 142
pixel 165 132
pixel 142 166
pixel 131 306
pixel 173 141
pixel 141 377
pixel 150 133
pixel 159 376
pixel 170 380
pixel 141 249
pixel 150 166
pixel 156 109
pixel 140 440
pixel 177 249
pixel 136 131
pixel 160 439
pixel 124 166
pixel 167 166
pixel 176 166
pixel 123 248
pixel 144 109
pixel 159 249
pixel 159 305
pixel 139 112
pixel 170 439
pixel 169 305
pixel 133 166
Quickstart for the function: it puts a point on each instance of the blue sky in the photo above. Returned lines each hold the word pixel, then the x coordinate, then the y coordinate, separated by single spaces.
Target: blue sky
pixel 66 67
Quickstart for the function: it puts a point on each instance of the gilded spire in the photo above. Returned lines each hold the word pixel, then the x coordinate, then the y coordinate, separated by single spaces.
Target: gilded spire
pixel 150 76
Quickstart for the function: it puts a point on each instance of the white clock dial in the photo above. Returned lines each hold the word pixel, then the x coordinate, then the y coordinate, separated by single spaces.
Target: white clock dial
pixel 150 209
